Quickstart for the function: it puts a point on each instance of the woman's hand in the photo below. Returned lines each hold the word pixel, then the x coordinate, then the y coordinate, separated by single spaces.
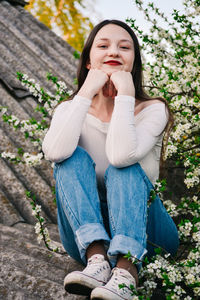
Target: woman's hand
pixel 123 83
pixel 93 83
pixel 119 83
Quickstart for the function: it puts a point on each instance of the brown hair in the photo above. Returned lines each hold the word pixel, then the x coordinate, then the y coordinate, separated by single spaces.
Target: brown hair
pixel 136 72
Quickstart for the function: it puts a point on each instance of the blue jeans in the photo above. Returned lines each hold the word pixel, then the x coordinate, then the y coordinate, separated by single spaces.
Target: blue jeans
pixel 122 220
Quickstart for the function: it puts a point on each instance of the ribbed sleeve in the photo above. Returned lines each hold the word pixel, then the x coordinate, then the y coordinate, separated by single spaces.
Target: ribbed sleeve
pixel 127 144
pixel 63 135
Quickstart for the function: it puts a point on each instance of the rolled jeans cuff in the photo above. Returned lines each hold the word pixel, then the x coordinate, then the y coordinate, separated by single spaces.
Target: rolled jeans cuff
pixel 121 244
pixel 89 233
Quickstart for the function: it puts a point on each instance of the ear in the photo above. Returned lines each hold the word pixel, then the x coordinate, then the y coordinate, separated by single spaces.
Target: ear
pixel 88 65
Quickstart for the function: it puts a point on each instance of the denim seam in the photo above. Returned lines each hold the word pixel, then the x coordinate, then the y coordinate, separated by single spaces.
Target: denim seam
pixel 144 217
pixel 70 211
pixel 111 219
pixel 149 186
pixel 146 184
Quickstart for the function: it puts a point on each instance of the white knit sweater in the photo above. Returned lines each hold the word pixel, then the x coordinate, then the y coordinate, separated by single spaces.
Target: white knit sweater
pixel 127 139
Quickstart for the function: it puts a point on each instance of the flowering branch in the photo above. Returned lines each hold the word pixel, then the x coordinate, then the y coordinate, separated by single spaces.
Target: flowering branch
pixel 40 229
pixel 34 131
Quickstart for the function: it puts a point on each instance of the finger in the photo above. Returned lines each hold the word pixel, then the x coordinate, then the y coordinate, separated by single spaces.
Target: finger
pixel 105 90
pixel 110 89
pixel 113 91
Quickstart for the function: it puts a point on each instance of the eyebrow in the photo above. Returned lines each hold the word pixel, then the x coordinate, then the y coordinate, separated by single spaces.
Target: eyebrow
pixel 123 40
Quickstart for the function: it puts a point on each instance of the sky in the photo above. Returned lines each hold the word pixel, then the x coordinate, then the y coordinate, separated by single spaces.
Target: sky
pixel 121 9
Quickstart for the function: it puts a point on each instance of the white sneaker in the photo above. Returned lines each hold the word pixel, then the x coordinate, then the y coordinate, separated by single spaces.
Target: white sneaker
pixel 111 290
pixel 97 273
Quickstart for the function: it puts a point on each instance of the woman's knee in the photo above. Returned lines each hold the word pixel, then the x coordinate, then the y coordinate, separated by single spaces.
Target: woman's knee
pixel 79 155
pixel 80 160
pixel 132 171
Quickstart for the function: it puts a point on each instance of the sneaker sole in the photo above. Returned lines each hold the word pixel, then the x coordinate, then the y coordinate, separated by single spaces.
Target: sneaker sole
pixel 103 293
pixel 78 289
pixel 80 286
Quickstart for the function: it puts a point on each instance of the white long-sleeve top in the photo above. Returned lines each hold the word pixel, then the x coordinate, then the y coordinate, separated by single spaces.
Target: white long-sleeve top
pixel 125 140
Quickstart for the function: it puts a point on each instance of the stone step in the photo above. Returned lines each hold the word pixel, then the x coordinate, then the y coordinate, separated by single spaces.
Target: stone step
pixel 16 279
pixel 23 237
pixel 30 271
pixel 14 191
pixel 9 214
pixel 30 179
pixel 32 266
pixel 26 231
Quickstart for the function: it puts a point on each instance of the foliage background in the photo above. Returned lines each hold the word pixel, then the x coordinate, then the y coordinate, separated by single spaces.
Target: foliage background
pixel 64 17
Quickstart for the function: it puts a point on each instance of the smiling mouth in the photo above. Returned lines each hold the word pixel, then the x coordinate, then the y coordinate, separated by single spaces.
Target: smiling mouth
pixel 113 63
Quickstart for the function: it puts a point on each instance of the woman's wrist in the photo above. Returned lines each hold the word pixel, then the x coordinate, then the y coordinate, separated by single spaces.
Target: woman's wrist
pixel 85 93
pixel 127 92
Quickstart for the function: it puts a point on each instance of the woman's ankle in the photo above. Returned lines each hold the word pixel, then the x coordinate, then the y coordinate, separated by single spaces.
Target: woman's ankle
pixel 97 247
pixel 126 264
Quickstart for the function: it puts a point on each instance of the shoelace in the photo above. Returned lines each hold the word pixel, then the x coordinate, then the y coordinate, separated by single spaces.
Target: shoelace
pixel 94 261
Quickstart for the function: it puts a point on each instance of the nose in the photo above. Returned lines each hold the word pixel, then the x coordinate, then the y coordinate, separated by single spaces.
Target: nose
pixel 113 50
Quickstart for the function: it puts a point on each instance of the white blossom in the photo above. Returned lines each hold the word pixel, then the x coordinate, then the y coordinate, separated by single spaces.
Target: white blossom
pixel 25 77
pixel 36 210
pixel 185 229
pixel 39 238
pixel 3 110
pixel 171 208
pixel 37 228
pixel 178 290
pixel 31 159
pixel 8 155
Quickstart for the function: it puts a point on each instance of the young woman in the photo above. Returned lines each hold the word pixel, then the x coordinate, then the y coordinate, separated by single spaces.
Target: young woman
pixel 106 143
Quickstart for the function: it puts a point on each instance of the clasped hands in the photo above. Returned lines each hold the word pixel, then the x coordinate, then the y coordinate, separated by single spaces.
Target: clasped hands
pixel 116 83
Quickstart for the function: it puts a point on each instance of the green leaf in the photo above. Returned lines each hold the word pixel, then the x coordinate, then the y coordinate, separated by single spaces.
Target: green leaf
pixel 158 250
pixel 122 285
pixel 75 81
pixel 28 194
pixel 26 134
pixel 76 54
pixel 20 151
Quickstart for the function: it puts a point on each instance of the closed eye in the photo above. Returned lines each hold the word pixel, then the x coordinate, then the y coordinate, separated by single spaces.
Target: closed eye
pixel 103 46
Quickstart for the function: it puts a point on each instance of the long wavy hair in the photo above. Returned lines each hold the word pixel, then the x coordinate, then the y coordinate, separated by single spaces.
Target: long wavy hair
pixel 137 75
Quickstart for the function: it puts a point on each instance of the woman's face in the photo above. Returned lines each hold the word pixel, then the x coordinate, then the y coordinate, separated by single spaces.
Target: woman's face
pixel 112 50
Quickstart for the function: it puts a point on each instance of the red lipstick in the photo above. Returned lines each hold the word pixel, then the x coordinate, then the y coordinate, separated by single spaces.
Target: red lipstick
pixel 113 62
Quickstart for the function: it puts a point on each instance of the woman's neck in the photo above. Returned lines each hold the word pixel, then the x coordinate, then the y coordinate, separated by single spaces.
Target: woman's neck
pixel 102 107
